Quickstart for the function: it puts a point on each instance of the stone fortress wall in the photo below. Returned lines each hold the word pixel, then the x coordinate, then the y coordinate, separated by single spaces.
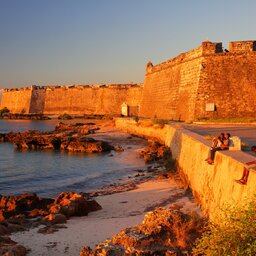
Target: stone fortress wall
pixel 97 99
pixel 74 99
pixel 203 82
pixel 17 100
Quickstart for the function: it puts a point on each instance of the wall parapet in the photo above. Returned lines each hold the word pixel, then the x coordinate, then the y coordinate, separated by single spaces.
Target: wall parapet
pixel 35 87
pixel 206 48
pixel 242 46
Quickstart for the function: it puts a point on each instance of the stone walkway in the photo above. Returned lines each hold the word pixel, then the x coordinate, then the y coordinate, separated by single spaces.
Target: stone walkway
pixel 247 133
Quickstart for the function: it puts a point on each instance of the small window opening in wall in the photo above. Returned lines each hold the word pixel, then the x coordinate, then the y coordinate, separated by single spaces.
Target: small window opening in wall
pixel 210 107
pixel 254 46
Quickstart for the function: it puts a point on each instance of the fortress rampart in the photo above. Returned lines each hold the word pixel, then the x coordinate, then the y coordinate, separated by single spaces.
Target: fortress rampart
pixel 204 82
pixel 73 99
pixel 97 99
pixel 17 100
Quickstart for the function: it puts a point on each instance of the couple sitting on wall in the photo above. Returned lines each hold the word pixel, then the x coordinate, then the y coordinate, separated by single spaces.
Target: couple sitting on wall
pixel 218 143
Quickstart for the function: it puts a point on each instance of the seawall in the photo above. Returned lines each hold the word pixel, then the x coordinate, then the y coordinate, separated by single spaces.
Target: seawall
pixel 212 185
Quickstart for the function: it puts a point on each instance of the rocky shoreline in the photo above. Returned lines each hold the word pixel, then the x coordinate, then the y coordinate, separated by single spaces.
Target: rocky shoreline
pixel 20 213
pixel 68 137
pixel 163 231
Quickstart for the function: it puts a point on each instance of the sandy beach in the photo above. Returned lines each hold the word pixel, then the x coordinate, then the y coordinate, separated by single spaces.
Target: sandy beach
pixel 120 210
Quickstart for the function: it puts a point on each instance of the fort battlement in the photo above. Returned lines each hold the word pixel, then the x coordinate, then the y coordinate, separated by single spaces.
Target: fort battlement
pixel 207 48
pixel 74 86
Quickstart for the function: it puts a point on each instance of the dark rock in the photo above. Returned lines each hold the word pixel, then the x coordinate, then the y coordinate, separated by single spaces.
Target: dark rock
pixel 70 137
pixel 15 228
pixel 54 219
pixel 20 206
pixel 4 230
pixel 11 248
pixel 155 152
pixel 73 204
pixel 93 206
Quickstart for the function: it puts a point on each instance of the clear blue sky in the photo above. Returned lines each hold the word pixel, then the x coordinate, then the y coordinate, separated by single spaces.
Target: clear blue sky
pixel 109 41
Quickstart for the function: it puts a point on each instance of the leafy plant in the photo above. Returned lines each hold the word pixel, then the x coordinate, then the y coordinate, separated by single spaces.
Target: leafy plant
pixel 235 233
pixel 4 111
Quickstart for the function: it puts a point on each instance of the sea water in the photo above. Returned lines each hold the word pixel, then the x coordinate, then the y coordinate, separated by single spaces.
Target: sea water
pixel 48 173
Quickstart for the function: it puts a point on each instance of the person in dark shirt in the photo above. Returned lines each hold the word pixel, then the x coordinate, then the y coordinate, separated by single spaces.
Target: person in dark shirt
pixel 224 145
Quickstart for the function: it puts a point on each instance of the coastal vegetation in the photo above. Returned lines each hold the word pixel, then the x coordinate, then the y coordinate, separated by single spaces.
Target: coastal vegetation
pixel 4 111
pixel 233 234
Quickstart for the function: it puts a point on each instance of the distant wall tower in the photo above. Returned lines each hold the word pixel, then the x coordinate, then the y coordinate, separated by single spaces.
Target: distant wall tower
pixel 211 48
pixel 242 46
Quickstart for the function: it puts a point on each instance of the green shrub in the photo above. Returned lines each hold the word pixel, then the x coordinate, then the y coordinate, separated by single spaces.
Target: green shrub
pixel 235 234
pixel 4 111
pixel 65 116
